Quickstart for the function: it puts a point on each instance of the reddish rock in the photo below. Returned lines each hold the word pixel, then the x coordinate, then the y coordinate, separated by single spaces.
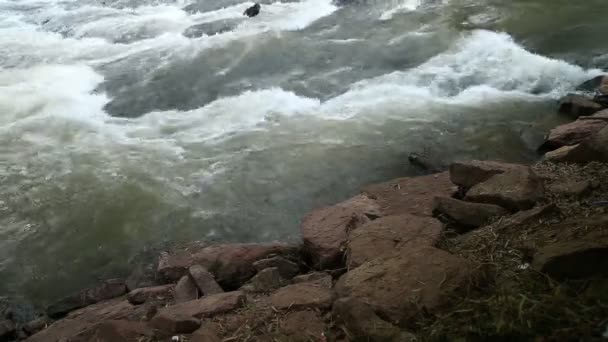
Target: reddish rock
pixel 325 230
pixel 531 216
pixel 466 214
pixel 572 133
pixel 107 290
pixel 411 281
pixel 576 189
pixel 122 331
pixel 80 325
pixel 175 323
pixel 302 326
pixel 204 280
pixel 163 293
pixel 363 324
pixel 208 305
pixel 594 148
pixel 185 290
pixel 232 264
pixel 7 330
pixel 387 234
pixel 322 278
pixel 411 195
pixel 171 267
pixel 301 296
pixel 287 269
pixel 514 190
pixel 469 174
pixel 577 105
pixel 266 280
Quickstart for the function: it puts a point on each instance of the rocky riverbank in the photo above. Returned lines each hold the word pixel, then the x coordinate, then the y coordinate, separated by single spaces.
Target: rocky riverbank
pixel 484 251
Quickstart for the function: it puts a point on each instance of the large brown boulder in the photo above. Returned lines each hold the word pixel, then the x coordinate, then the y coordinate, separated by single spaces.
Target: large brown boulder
pixel 325 230
pixel 466 214
pixel 301 296
pixel 411 281
pixel 122 331
pixel 387 234
pixel 107 290
pixel 578 105
pixel 163 293
pixel 410 195
pixel 288 269
pixel 362 323
pixel 207 306
pixel 572 133
pixel 204 280
pixel 231 264
pixel 471 173
pixel 515 190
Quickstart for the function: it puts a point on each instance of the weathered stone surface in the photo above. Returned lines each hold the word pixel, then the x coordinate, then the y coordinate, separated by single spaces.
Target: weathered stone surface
pixel 208 305
pixel 466 214
pixel 410 195
pixel 171 267
pixel 80 325
pixel 266 280
pixel 232 264
pixel 363 324
pixel 531 216
pixel 175 323
pixel 471 173
pixel 302 326
pixel 185 290
pixel 572 133
pixel 398 287
pixel 515 190
pixel 7 330
pixel 594 148
pixel 387 234
pixel 325 230
pixel 322 278
pixel 574 258
pixel 205 334
pixel 301 296
pixel 36 325
pixel 578 105
pixel 162 293
pixel 122 331
pixel 204 280
pixel 107 290
pixel 563 154
pixel 142 275
pixel 571 188
pixel 287 269
pixel 592 84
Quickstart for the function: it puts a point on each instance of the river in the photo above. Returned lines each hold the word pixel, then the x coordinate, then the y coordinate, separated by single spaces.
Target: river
pixel 127 126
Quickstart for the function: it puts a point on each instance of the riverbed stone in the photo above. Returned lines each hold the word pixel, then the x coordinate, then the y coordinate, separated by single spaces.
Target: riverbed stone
pixel 106 290
pixel 208 305
pixel 204 280
pixel 266 280
pixel 575 106
pixel 185 290
pixel 466 214
pixel 322 278
pixel 387 234
pixel 301 296
pixel 325 230
pixel 572 133
pixel 162 293
pixel 470 173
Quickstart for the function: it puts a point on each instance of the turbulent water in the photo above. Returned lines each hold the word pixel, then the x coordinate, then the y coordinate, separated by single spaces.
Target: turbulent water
pixel 126 125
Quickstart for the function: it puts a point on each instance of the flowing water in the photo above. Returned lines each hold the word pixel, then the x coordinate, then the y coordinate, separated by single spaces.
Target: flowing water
pixel 131 124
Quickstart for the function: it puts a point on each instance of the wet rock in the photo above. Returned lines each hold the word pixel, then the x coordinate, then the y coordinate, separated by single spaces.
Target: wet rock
pixel 322 278
pixel 163 293
pixel 572 133
pixel 122 331
pixel 466 214
pixel 212 28
pixel 266 280
pixel 204 280
pixel 107 290
pixel 175 323
pixel 411 281
pixel 8 330
pixel 410 195
pixel 301 296
pixel 36 325
pixel 325 230
pixel 287 269
pixel 515 190
pixel 574 258
pixel 185 290
pixel 171 267
pixel 387 234
pixel 469 174
pixel 578 105
pixel 208 305
pixel 232 264
pixel 363 324
pixel 80 325
pixel 576 189
pixel 593 84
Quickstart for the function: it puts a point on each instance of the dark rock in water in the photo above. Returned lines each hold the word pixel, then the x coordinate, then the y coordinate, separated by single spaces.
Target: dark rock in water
pixel 577 105
pixel 143 275
pixel 107 290
pixel 592 84
pixel 7 330
pixel 212 28
pixel 252 11
pixel 466 214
